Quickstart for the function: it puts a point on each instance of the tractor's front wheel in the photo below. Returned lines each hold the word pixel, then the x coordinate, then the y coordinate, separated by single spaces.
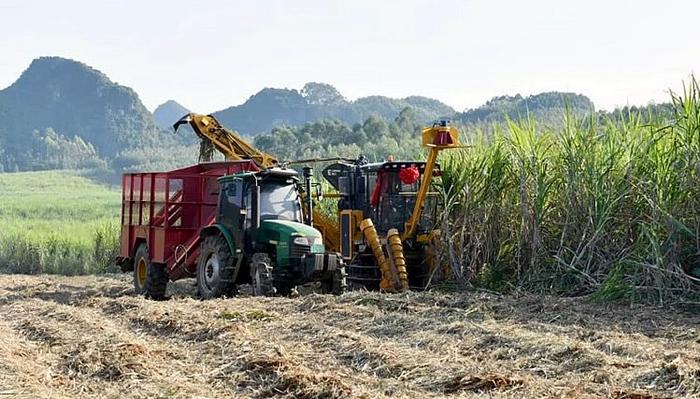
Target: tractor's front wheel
pixel 336 283
pixel 261 275
pixel 215 268
pixel 150 279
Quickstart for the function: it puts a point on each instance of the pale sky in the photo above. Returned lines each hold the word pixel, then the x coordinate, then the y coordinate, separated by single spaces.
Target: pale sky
pixel 209 55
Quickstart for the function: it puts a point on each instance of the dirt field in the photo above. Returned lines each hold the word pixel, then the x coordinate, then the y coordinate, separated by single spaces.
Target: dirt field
pixel 91 337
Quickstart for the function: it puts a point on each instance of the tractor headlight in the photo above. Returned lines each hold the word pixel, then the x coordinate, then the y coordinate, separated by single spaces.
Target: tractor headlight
pixel 301 241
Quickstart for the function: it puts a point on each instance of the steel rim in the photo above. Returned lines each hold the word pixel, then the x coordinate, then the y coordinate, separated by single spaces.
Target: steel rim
pixel 211 271
pixel 141 272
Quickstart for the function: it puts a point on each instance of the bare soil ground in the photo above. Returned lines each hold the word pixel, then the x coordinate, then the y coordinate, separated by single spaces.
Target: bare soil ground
pixel 91 337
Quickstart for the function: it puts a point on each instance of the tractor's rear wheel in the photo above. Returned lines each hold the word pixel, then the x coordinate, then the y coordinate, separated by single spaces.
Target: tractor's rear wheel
pixel 215 268
pixel 150 279
pixel 261 275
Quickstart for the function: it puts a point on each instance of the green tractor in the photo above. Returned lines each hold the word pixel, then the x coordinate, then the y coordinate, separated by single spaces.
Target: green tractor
pixel 260 238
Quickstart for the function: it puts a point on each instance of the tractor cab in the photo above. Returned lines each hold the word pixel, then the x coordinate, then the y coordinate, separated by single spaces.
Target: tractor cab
pixel 257 207
pixel 261 213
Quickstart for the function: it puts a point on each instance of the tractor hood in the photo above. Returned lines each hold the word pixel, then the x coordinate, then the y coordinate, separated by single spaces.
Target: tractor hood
pixel 283 232
pixel 287 228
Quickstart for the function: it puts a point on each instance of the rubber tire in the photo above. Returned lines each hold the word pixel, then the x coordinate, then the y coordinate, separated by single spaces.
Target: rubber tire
pixel 141 255
pixel 215 244
pixel 260 263
pixel 156 282
pixel 337 283
pixel 284 289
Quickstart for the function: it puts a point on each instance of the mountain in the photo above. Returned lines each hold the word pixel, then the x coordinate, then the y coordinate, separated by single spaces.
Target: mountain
pixel 61 113
pixel 59 103
pixel 166 114
pixel 544 107
pixel 272 107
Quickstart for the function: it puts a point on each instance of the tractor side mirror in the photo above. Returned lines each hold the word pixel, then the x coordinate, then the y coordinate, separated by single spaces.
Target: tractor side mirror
pixel 319 192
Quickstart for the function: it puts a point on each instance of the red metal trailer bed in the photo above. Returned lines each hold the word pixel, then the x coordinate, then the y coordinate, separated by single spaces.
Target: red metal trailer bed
pixel 167 210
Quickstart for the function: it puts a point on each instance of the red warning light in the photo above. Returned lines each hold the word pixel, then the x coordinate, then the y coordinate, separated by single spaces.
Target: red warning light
pixel 409 175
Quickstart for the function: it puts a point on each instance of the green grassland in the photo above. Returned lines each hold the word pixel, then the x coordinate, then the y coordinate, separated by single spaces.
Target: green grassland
pixel 57 222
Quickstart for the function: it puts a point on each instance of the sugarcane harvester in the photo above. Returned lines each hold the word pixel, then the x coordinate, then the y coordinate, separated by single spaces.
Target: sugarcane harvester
pixel 384 227
pixel 387 214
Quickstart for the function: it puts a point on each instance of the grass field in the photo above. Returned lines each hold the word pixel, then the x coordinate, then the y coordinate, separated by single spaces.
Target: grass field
pixel 57 222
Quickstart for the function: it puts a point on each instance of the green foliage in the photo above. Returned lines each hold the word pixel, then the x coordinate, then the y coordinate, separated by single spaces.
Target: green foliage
pixel 57 222
pixel 546 108
pixel 375 138
pixel 156 158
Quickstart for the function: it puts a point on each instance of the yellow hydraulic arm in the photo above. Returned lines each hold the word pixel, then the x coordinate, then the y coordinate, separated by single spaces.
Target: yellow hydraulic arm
pixel 226 141
pixel 439 137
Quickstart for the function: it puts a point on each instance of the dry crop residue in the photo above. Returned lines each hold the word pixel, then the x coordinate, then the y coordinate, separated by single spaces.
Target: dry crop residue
pixel 91 337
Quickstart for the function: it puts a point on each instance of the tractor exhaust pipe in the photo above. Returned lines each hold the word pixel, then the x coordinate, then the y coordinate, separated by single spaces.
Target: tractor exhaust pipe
pixel 308 172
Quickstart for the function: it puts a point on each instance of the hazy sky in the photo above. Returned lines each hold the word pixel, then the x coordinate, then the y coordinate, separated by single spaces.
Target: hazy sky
pixel 208 55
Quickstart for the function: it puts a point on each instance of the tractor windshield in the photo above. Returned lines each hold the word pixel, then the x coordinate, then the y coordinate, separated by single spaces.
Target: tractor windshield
pixel 279 201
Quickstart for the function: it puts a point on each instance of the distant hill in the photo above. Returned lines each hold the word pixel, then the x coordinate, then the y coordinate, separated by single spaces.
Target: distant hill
pixel 274 107
pixel 544 107
pixel 61 113
pixel 60 109
pixel 166 114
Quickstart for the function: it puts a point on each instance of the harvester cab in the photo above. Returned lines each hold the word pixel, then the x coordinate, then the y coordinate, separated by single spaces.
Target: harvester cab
pixel 387 213
pixel 259 221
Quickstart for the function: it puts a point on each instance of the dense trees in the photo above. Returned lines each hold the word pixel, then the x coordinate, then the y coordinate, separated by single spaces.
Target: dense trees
pixel 46 150
pixel 546 108
pixel 375 138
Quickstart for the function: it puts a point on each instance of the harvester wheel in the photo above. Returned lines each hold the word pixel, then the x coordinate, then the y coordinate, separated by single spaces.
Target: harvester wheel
pixel 215 268
pixel 261 275
pixel 150 279
pixel 336 284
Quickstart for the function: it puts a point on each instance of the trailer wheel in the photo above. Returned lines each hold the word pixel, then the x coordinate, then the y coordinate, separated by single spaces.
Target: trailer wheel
pixel 215 268
pixel 141 264
pixel 336 284
pixel 156 281
pixel 150 279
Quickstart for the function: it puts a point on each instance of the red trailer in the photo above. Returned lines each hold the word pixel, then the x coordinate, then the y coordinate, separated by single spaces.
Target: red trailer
pixel 163 213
